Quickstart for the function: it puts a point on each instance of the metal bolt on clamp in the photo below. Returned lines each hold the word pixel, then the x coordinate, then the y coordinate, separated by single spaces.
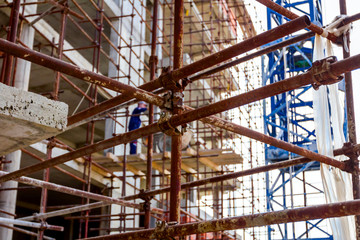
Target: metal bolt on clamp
pixel 165 125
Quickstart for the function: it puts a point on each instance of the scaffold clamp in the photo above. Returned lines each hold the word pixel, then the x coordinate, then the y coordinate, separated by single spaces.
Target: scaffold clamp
pixel 167 80
pixel 144 196
pixel 321 72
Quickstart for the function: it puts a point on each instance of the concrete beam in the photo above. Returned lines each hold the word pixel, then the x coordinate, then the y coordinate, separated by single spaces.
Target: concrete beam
pixel 26 118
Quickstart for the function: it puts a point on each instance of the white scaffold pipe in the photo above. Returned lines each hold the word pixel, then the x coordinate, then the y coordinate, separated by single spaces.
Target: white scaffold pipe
pixel 39 216
pixel 30 224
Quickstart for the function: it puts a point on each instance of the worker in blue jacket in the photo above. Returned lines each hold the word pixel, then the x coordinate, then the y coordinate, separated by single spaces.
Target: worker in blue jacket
pixel 135 123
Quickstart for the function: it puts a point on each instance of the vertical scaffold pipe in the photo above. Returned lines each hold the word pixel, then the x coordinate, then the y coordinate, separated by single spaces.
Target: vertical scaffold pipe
pixel 351 122
pixel 176 139
pixel 153 64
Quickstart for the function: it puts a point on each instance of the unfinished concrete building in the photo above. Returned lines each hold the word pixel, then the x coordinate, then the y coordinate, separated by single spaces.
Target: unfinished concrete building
pixel 232 144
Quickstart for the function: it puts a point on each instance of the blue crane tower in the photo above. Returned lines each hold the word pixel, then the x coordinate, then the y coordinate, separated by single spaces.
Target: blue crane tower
pixel 288 117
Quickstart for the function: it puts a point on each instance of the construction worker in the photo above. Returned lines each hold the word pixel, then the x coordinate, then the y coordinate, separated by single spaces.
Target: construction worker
pixel 135 123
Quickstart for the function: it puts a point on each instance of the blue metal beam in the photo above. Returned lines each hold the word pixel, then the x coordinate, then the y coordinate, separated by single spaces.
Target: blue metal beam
pixel 286 119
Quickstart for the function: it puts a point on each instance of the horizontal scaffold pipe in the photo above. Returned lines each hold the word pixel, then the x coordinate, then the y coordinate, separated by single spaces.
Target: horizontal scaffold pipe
pixel 336 69
pixel 77 192
pixel 224 177
pixel 39 216
pixel 323 211
pixel 248 57
pixel 247 172
pixel 235 128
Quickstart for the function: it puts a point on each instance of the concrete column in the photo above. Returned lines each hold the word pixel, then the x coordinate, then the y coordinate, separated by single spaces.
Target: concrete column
pixel 8 198
pixel 22 76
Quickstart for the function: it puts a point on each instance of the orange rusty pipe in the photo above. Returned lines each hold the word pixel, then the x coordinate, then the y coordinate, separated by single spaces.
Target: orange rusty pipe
pixel 323 211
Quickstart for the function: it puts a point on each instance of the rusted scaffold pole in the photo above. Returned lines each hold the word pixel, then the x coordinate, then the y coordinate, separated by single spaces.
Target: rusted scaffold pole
pixel 153 65
pixel 262 219
pixel 177 98
pixel 44 191
pixel 336 69
pixel 350 110
pixel 9 59
pixel 55 94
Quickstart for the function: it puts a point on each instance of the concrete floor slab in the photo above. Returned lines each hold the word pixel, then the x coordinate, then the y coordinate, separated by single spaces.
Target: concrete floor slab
pixel 26 118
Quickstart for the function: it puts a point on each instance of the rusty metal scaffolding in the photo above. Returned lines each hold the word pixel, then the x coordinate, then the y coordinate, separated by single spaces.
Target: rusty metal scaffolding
pixel 182 58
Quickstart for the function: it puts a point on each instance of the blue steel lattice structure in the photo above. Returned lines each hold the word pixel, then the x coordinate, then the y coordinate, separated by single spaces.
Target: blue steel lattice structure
pixel 288 117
